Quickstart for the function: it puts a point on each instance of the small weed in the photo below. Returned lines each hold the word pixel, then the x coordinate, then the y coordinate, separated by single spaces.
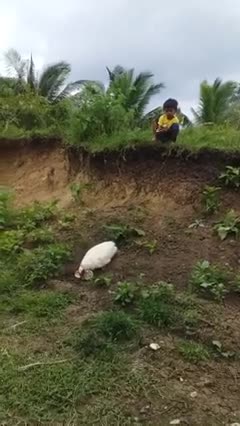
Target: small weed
pixel 103 280
pixel 11 242
pixel 193 352
pixel 150 246
pixel 66 220
pixel 77 190
pixel 102 331
pixel 231 177
pixel 236 284
pixel 191 318
pixel 210 199
pixel 230 225
pixel 8 278
pixel 37 265
pixel 156 306
pixel 218 347
pixel 5 208
pixel 40 235
pixel 116 325
pixel 36 215
pixel 208 280
pixel 125 293
pixel 122 233
pixel 196 224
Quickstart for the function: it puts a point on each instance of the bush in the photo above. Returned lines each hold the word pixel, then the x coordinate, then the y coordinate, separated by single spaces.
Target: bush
pixel 28 111
pixel 208 280
pixel 156 306
pixel 98 114
pixel 210 199
pixel 99 334
pixel 231 177
pixel 125 293
pixel 230 225
pixel 36 266
pixel 193 352
pixel 116 325
pixel 5 208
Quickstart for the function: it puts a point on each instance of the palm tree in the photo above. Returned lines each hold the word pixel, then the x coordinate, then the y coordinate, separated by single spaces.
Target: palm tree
pixel 136 91
pixel 51 82
pixel 214 101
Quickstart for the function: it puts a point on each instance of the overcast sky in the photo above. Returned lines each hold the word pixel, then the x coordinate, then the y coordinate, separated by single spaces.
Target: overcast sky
pixel 181 41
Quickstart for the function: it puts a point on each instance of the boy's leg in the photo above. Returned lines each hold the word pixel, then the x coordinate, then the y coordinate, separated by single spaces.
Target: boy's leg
pixel 173 132
pixel 162 136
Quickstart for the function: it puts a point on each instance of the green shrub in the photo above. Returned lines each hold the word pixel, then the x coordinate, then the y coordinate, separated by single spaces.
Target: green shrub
pixel 11 242
pixel 210 199
pixel 125 293
pixel 156 306
pixel 5 208
pixel 98 114
pixel 28 111
pixel 36 266
pixel 231 177
pixel 99 334
pixel 35 215
pixel 230 225
pixel 115 325
pixel 122 233
pixel 193 352
pixel 8 278
pixel 207 279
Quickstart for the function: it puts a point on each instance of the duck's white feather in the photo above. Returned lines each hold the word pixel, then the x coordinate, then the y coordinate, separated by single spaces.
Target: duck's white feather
pixel 98 256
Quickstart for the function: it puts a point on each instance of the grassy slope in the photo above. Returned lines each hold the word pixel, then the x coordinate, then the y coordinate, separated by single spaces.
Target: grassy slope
pixel 100 372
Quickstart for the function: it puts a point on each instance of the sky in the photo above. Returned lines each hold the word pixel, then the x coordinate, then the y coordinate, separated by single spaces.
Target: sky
pixel 182 42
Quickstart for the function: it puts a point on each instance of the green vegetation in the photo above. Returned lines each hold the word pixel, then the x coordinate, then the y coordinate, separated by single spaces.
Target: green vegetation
pixel 209 280
pixel 98 334
pixel 229 225
pixel 110 117
pixel 193 352
pixel 49 84
pixel 231 177
pixel 125 293
pixel 121 233
pixel 28 254
pixel 150 246
pixel 214 101
pixel 44 304
pixel 210 199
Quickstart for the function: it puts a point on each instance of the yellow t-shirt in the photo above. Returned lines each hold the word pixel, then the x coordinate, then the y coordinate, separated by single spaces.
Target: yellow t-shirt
pixel 166 123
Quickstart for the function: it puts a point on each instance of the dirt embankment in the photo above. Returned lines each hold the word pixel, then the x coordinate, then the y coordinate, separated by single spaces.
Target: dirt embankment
pixel 45 170
pixel 162 196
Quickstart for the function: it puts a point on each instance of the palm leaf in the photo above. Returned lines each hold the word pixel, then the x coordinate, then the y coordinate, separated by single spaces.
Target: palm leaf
pixel 214 100
pixel 116 72
pixel 71 88
pixel 52 80
pixel 153 90
pixel 15 64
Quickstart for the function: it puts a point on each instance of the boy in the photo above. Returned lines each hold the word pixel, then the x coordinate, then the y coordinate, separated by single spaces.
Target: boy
pixel 167 128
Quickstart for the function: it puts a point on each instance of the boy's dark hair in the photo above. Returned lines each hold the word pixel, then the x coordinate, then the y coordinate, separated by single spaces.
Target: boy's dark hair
pixel 171 103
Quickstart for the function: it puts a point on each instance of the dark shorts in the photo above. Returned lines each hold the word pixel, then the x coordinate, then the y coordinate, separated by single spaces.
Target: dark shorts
pixel 170 135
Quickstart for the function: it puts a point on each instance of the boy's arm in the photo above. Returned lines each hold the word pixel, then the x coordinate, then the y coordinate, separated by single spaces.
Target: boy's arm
pixel 160 127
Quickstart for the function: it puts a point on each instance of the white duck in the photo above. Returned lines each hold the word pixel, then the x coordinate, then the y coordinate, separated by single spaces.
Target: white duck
pixel 95 258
